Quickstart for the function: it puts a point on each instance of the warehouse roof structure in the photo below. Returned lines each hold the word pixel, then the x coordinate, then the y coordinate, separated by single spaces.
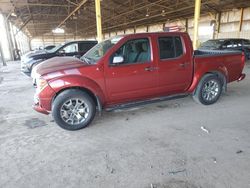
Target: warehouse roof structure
pixel 38 17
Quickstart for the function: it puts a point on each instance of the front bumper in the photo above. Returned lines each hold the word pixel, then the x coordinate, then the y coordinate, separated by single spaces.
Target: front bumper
pixel 43 100
pixel 39 109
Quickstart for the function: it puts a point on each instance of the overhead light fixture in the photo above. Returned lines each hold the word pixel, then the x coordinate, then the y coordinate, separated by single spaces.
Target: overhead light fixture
pixel 235 9
pixel 58 31
pixel 13 14
pixel 163 13
pixel 147 15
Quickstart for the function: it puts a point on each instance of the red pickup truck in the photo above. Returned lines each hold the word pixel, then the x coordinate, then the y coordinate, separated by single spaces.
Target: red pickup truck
pixel 130 70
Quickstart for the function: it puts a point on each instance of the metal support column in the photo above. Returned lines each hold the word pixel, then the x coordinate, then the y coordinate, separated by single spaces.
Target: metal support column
pixel 10 43
pixel 196 22
pixel 186 25
pixel 2 57
pixel 241 19
pixel 217 26
pixel 98 20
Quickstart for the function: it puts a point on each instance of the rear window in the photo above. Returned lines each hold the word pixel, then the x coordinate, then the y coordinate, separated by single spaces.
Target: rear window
pixel 170 47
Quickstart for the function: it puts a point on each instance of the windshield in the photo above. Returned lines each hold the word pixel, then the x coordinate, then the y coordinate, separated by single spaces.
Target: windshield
pixel 99 50
pixel 213 43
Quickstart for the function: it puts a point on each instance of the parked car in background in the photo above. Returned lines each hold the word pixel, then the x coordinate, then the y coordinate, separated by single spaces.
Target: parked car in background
pixel 75 48
pixel 228 44
pixel 37 51
pixel 129 70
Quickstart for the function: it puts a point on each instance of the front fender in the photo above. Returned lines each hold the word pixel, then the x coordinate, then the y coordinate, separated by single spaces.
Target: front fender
pixel 73 81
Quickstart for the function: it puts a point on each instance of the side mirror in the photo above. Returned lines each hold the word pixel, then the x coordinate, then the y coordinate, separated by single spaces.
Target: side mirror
pixel 118 60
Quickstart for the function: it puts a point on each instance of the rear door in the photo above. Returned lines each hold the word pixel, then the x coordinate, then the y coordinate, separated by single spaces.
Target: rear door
pixel 175 65
pixel 136 77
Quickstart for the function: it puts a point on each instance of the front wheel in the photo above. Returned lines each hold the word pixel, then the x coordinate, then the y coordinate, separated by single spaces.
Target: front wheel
pixel 73 109
pixel 209 90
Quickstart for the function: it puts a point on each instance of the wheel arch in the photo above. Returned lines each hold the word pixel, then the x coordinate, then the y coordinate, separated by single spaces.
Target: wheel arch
pixel 222 74
pixel 95 98
pixel 79 82
pixel 222 78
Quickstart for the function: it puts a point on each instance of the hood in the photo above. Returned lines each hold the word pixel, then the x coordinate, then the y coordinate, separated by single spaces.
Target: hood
pixel 31 54
pixel 58 64
pixel 38 55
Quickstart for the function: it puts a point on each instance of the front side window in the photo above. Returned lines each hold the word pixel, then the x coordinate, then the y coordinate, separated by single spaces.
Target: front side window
pixel 227 44
pixel 71 48
pixel 237 43
pixel 134 51
pixel 170 47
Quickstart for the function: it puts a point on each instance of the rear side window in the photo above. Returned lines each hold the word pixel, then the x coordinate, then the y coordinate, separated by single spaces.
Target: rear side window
pixel 71 48
pixel 86 46
pixel 178 46
pixel 170 47
pixel 246 43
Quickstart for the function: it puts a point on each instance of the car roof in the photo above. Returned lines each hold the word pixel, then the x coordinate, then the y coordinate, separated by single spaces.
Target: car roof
pixel 81 41
pixel 225 39
pixel 150 33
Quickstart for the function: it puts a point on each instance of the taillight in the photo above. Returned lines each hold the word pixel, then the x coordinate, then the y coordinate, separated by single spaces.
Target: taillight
pixel 242 60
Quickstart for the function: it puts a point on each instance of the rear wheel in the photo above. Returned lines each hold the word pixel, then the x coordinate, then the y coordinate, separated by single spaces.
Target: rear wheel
pixel 73 109
pixel 209 90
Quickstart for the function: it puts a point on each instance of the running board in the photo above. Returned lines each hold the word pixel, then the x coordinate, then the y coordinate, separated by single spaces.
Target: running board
pixel 145 102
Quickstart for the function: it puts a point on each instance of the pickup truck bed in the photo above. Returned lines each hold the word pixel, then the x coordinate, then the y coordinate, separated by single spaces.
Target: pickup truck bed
pixel 214 52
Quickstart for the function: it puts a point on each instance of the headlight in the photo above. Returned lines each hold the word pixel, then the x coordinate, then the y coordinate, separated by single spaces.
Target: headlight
pixel 27 59
pixel 41 84
pixel 34 74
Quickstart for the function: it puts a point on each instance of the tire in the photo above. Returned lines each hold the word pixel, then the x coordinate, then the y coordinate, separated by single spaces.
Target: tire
pixel 73 109
pixel 208 90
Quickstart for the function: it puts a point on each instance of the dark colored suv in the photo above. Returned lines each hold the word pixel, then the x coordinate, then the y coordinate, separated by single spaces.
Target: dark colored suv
pixel 228 44
pixel 75 48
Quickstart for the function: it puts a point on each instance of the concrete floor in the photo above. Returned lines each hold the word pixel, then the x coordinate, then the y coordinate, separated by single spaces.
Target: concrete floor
pixel 159 145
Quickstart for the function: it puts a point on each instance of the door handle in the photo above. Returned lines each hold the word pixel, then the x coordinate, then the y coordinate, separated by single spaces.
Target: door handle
pixel 151 68
pixel 184 64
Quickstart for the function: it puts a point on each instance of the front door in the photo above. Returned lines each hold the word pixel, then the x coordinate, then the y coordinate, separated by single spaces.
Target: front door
pixel 136 76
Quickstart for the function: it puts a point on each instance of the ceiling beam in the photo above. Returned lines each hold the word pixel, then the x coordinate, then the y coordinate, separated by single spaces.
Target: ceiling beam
pixel 24 24
pixel 18 3
pixel 73 12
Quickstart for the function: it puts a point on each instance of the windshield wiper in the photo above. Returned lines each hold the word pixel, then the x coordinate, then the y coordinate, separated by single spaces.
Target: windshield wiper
pixel 87 60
